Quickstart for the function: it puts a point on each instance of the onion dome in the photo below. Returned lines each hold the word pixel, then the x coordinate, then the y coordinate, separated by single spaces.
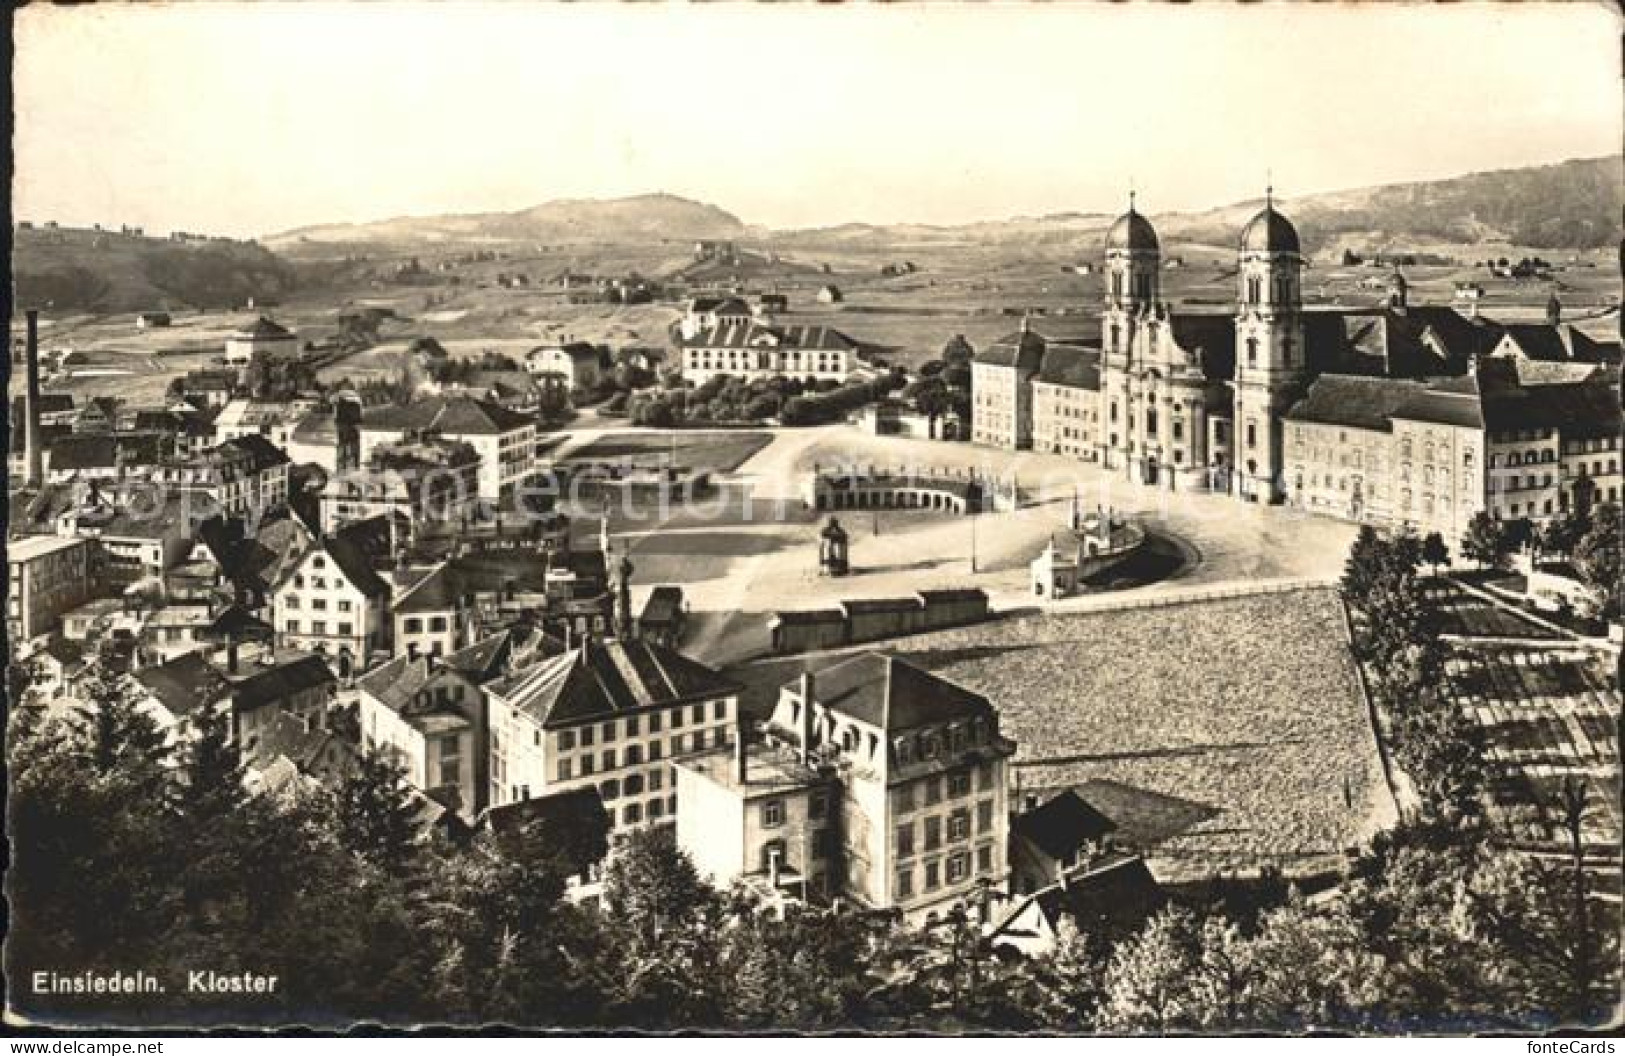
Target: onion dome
pixel 1132 232
pixel 1269 232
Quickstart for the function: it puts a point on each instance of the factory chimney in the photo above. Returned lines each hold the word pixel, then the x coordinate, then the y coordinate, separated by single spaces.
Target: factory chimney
pixel 36 457
pixel 806 691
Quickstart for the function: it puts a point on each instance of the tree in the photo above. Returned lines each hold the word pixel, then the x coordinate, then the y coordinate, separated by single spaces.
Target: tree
pixel 1434 551
pixel 651 885
pixel 1483 539
pixel 1597 557
pixel 375 815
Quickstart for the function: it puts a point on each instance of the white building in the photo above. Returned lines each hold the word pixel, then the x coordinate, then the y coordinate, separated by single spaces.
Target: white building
pixel 580 364
pixel 261 335
pixel 504 440
pixel 331 602
pixel 754 350
pixel 611 715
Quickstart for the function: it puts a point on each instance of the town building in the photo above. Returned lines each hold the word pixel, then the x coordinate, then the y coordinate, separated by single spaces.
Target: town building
pixel 903 773
pixel 48 577
pixel 333 602
pixel 296 687
pixel 179 691
pixel 429 719
pixel 243 477
pixel 504 440
pixel 409 482
pixel 260 335
pixel 611 715
pixel 580 364
pixel 752 350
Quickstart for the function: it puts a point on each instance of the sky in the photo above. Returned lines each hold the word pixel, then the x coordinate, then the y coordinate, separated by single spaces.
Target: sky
pixel 248 119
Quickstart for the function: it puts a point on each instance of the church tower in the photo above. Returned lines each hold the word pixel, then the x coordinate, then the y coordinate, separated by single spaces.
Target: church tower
pixel 1270 366
pixel 1131 277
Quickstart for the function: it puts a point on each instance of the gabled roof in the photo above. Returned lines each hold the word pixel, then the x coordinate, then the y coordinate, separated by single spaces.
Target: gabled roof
pixel 757 335
pixel 664 604
pixel 281 681
pixel 104 450
pixel 491 656
pixel 601 679
pixel 1111 898
pixel 406 685
pixel 185 684
pixel 1023 350
pixel 449 415
pixel 1063 825
pixel 257 452
pixel 355 549
pixel 263 329
pixel 1074 367
pixel 894 695
pixel 1354 401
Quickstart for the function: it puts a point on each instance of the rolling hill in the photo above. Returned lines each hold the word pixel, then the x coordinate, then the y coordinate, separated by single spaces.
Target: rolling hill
pixel 1571 205
pixel 99 271
pixel 642 219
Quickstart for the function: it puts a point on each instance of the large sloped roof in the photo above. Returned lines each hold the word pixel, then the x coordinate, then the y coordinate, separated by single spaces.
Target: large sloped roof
pixel 185 684
pixel 600 679
pixel 894 695
pixel 1062 825
pixel 281 682
pixel 449 415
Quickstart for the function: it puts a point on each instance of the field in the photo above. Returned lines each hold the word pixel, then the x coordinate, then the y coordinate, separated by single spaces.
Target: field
pixel 717 452
pixel 1226 735
pixel 1546 714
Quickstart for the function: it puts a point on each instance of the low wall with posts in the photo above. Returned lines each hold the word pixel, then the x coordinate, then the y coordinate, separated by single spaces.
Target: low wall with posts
pixel 908 488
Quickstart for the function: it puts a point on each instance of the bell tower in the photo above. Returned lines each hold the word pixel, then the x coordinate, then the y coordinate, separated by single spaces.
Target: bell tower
pixel 1131 277
pixel 1270 366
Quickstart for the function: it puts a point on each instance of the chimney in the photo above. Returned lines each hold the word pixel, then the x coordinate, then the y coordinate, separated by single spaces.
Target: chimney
pixel 231 655
pixel 806 692
pixel 36 457
pixel 741 767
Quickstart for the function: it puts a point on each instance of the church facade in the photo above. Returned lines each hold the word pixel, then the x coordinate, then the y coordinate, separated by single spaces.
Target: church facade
pixel 1393 414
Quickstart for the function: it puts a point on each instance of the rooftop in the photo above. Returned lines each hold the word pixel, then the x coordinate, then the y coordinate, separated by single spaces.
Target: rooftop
pixel 892 694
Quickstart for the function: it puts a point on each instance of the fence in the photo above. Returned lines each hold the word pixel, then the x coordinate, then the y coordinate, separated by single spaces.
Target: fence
pixel 1167 599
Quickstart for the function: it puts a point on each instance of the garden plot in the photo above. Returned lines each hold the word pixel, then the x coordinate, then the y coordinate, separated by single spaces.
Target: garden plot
pixel 1467 615
pixel 1546 714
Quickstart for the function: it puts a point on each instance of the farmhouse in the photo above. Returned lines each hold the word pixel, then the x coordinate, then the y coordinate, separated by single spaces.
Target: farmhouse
pixel 261 335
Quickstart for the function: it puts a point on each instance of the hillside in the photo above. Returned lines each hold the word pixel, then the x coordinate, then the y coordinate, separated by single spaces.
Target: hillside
pixel 1571 205
pixel 641 219
pixel 106 271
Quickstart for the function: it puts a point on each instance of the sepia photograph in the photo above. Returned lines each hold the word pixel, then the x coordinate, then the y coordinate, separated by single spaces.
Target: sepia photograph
pixel 998 519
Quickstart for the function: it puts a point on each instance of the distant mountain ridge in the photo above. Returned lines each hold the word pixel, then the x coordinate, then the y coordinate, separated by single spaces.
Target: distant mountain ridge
pixel 1573 204
pixel 640 218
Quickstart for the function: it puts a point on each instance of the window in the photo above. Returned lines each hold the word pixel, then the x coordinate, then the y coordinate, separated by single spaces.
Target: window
pixel 902 799
pixel 292 601
pixel 719 737
pixel 657 779
pixel 633 786
pixel 631 725
pixel 608 790
pixel 609 732
pixel 292 625
pixel 676 717
pixel 1252 351
pixel 905 883
pixel 632 814
pixel 437 625
pixel 656 809
pixel 699 713
pixel 567 740
pixel 565 773
pixel 344 604
pixel 931 876
pixel 933 833
pixel 772 813
pixel 933 789
pixel 959 826
pixel 654 722
pixel 655 751
pixel 959 784
pixel 586 737
pixel 1252 434
pixel 609 758
pixel 318 627
pixel 984 815
pixel 984 777
pixel 817 806
pixel 318 603
pixel 958 867
pixel 719 710
pixel 905 839
pixel 586 766
pixel 634 755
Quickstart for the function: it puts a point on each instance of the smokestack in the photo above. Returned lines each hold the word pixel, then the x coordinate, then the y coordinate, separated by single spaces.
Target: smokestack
pixel 741 767
pixel 36 457
pixel 806 690
pixel 231 655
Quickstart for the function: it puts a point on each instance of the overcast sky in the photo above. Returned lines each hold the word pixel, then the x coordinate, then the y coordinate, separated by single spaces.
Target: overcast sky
pixel 254 118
